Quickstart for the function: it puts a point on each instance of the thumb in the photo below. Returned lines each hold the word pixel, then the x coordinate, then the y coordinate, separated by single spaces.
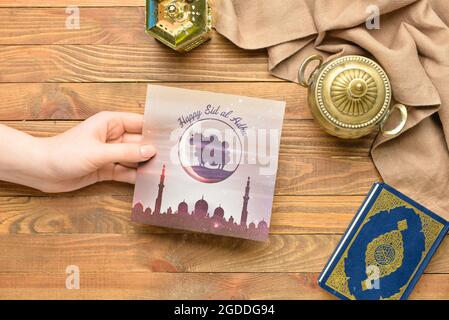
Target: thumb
pixel 127 152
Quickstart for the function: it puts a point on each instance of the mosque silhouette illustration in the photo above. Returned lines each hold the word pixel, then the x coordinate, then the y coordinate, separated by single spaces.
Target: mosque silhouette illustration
pixel 200 220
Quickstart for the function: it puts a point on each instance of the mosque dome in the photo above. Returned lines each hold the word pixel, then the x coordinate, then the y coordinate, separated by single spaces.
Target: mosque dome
pixel 201 207
pixel 219 212
pixel 183 208
pixel 138 206
pixel 252 225
pixel 262 225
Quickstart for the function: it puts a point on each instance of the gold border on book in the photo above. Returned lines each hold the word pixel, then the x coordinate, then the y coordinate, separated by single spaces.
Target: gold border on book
pixel 386 201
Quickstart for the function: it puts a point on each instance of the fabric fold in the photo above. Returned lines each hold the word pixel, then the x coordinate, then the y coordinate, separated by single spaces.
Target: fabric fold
pixel 412 44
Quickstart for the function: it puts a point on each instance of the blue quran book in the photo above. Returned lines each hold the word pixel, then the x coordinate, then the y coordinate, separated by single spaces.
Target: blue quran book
pixel 386 248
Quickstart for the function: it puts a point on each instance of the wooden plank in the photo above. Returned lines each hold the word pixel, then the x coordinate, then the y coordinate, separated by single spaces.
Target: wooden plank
pixel 111 214
pixel 163 286
pixel 188 286
pixel 64 3
pixel 103 188
pixel 175 253
pixel 218 61
pixel 163 253
pixel 112 25
pixel 77 101
pixel 306 137
pixel 325 175
pixel 306 175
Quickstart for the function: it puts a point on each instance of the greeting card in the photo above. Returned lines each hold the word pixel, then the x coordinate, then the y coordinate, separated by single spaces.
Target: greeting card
pixel 216 165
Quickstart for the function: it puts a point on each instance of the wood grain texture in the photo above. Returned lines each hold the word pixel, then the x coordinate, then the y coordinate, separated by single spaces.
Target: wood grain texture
pixel 97 26
pixel 164 253
pixel 220 61
pixel 220 286
pixel 111 214
pixel 77 101
pixel 177 252
pixel 64 3
pixel 228 286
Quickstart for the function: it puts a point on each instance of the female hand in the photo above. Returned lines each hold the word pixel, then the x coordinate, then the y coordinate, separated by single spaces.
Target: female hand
pixel 106 146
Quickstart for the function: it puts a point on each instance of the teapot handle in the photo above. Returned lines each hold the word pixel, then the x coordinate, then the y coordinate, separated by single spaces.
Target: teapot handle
pixel 302 70
pixel 400 126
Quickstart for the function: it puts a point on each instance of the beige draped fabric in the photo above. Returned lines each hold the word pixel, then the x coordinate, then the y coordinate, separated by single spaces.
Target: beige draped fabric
pixel 412 44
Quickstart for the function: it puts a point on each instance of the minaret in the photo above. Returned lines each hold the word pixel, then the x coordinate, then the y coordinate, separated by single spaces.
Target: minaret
pixel 157 206
pixel 245 205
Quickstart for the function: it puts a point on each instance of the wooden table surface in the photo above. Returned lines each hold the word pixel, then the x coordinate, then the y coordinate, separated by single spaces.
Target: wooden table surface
pixel 51 78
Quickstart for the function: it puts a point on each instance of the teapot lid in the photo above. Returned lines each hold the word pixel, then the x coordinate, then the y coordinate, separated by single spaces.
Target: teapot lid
pixel 353 92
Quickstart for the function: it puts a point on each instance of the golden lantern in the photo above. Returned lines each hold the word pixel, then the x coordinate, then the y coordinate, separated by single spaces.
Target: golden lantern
pixel 180 24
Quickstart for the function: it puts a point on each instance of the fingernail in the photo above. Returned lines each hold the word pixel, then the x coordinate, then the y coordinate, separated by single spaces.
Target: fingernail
pixel 147 151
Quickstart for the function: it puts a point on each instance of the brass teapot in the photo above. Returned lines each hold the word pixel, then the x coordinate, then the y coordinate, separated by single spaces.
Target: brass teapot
pixel 350 97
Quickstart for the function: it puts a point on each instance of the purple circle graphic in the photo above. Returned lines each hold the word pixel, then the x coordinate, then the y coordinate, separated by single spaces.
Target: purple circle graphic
pixel 210 150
